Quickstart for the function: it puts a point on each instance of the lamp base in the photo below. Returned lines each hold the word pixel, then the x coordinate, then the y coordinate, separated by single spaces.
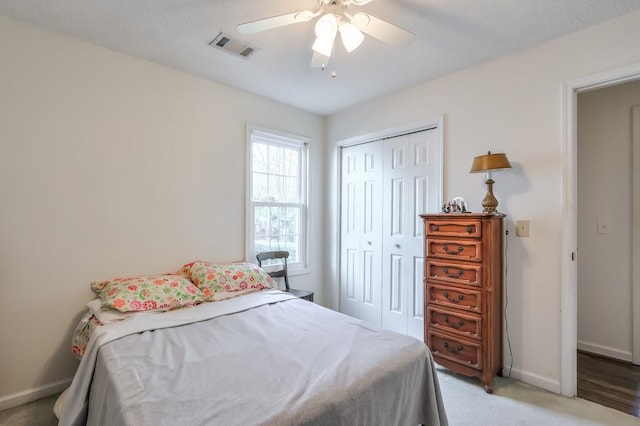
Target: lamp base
pixel 489 202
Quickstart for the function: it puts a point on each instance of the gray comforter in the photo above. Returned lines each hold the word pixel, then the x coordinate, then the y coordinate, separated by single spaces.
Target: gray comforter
pixel 290 362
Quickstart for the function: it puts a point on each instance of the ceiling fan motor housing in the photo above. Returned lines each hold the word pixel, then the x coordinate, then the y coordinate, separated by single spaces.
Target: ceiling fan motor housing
pixel 343 3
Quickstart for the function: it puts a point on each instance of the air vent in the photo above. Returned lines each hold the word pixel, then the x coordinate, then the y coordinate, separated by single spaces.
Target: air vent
pixel 239 48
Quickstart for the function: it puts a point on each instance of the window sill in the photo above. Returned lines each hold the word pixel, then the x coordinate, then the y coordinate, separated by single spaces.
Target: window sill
pixel 294 272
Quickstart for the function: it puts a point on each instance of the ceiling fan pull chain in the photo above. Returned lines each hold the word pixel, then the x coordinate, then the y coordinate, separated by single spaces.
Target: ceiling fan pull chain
pixel 334 59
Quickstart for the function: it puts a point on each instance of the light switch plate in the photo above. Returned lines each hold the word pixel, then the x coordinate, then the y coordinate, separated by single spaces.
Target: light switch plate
pixel 522 228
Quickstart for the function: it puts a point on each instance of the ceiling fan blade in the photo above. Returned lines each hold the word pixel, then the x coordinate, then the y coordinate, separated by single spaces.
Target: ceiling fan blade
pixel 382 30
pixel 259 25
pixel 318 60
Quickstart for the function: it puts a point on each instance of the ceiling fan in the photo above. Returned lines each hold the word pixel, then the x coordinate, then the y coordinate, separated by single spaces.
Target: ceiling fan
pixel 334 19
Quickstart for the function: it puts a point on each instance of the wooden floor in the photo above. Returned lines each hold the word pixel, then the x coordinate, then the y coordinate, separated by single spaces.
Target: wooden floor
pixel 608 382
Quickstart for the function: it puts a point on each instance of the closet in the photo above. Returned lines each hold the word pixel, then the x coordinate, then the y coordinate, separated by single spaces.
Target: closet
pixel 385 185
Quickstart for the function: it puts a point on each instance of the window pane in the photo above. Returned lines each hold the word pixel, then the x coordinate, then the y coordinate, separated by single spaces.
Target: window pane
pixel 276 159
pixel 278 228
pixel 291 163
pixel 290 190
pixel 261 228
pixel 260 157
pixel 260 189
pixel 276 193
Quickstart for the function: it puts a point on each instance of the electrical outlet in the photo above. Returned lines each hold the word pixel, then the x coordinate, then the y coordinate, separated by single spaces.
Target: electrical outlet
pixel 522 228
pixel 603 227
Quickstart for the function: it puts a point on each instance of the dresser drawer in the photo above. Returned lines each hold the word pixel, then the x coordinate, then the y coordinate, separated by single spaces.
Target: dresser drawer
pixel 459 273
pixel 453 228
pixel 460 351
pixel 454 249
pixel 459 298
pixel 469 326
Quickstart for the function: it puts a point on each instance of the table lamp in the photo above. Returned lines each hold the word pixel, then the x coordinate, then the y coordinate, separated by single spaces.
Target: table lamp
pixel 489 163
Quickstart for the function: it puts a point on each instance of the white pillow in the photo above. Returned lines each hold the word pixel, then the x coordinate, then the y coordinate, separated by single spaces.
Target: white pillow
pixel 108 316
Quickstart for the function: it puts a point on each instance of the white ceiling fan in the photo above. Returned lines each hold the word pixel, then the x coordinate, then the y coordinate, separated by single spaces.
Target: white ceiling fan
pixel 335 19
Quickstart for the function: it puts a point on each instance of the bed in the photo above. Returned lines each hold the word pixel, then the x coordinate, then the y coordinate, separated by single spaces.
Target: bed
pixel 261 358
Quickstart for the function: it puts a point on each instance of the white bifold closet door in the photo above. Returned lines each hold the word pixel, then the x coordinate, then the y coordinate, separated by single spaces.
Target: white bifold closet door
pixel 361 232
pixel 385 186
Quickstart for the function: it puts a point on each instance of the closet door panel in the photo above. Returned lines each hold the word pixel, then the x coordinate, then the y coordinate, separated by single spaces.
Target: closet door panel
pixel 409 191
pixel 396 256
pixel 361 236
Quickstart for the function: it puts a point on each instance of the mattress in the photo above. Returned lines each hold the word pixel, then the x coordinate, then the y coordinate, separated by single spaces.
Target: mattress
pixel 264 358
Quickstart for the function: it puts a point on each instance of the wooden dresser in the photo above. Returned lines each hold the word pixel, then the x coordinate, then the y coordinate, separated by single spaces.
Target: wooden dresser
pixel 463 292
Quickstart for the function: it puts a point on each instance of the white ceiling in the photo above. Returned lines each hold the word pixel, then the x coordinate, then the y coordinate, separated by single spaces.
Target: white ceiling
pixel 450 35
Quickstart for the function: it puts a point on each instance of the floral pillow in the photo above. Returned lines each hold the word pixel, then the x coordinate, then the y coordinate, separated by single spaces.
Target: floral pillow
pixel 147 293
pixel 82 334
pixel 227 277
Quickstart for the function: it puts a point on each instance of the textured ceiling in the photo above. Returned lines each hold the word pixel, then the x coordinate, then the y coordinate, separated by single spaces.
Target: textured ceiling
pixel 450 35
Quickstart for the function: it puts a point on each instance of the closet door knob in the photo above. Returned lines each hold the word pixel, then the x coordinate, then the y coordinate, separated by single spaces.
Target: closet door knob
pixel 397 246
pixel 369 242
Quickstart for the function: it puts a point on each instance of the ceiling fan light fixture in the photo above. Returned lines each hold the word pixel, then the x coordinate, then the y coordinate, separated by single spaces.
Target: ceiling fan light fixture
pixel 351 36
pixel 323 45
pixel 327 26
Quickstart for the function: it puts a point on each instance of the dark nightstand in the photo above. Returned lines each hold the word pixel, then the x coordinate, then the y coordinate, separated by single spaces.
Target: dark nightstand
pixel 302 294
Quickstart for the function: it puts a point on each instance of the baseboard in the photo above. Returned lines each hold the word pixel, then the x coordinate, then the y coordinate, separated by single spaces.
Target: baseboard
pixel 605 351
pixel 24 397
pixel 535 380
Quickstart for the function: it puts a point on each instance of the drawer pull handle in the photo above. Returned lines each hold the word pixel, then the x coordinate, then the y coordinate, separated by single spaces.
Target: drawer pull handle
pixel 469 229
pixel 452 324
pixel 452 300
pixel 457 275
pixel 452 350
pixel 435 228
pixel 452 252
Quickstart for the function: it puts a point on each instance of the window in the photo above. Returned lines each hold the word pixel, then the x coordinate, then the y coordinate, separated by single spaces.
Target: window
pixel 277 195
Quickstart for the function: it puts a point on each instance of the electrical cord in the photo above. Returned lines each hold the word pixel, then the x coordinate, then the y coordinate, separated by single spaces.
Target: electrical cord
pixel 506 297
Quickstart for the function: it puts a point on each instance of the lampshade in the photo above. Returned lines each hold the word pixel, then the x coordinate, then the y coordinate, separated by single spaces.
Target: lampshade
pixel 351 36
pixel 489 162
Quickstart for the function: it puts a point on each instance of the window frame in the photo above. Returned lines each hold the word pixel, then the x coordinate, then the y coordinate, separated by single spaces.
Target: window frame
pixel 274 137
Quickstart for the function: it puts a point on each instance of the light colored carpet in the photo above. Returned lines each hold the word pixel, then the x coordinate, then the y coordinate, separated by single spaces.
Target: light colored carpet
pixel 513 403
pixel 37 413
pixel 516 403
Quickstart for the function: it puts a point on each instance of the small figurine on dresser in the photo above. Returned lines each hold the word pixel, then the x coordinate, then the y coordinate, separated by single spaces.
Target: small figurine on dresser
pixel 456 205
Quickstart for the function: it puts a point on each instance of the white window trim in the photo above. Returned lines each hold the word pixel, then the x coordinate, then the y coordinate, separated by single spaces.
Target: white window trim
pixel 285 139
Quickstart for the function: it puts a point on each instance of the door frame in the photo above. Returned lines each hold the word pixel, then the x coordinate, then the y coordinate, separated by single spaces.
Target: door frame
pixel 437 124
pixel 569 272
pixel 635 232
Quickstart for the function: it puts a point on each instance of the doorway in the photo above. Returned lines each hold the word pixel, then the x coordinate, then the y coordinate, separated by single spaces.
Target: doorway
pixel 569 292
pixel 605 123
pixel 604 219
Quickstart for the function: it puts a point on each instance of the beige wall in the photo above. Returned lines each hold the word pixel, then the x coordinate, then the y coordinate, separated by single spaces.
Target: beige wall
pixel 514 105
pixel 112 166
pixel 604 195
